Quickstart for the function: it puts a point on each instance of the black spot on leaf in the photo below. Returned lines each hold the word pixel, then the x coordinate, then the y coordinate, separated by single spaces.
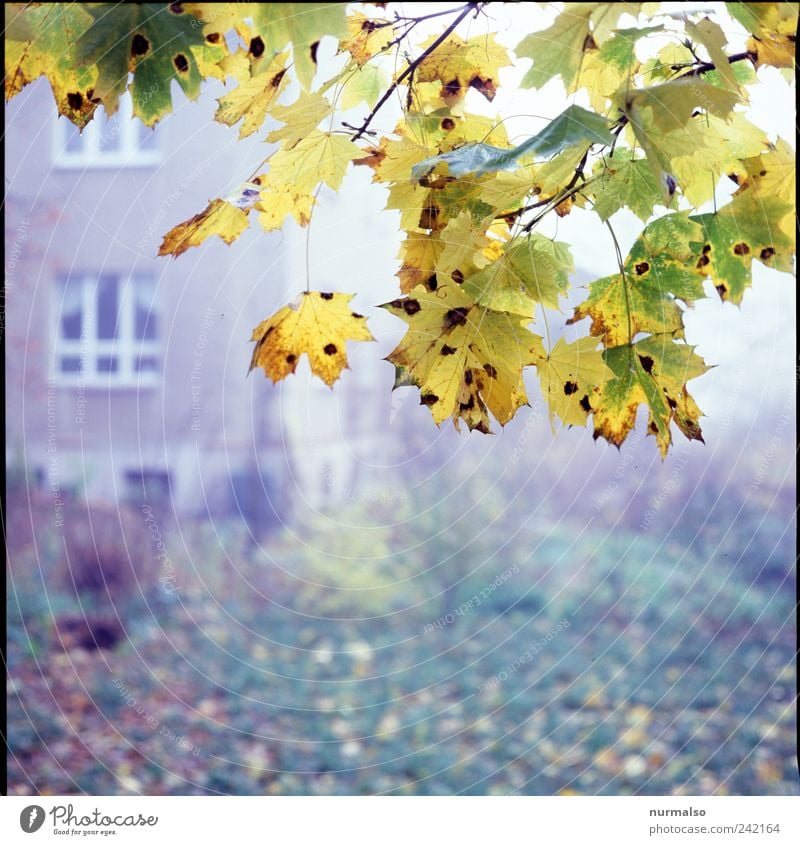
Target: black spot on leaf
pixel 429 399
pixel 75 100
pixel 290 359
pixel 276 80
pixel 467 406
pixel 432 282
pixel 570 387
pixel 456 317
pixel 703 261
pixel 326 296
pixel 257 47
pixel 589 43
pixel 641 268
pixel 330 349
pixel 468 378
pixel 584 403
pixel 358 316
pixel 653 427
pixel 741 249
pixel 448 124
pixel 767 253
pixel 176 8
pixel 706 249
pixel 411 307
pixel 451 89
pixel 647 363
pixel 721 290
pixel 313 51
pixel 181 64
pixel 490 370
pixel 447 350
pixel 458 277
pixel 429 217
pixel 140 45
pixel 213 37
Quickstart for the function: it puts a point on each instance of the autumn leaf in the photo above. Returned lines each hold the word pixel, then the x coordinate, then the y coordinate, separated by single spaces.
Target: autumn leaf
pixel 218 218
pixel 367 37
pixel 319 157
pixel 463 64
pixel 302 25
pixel 39 41
pixel 652 372
pixel 260 85
pixel 158 43
pixel 464 358
pixel 645 296
pixel 745 229
pixel 624 181
pixel 532 270
pixel 301 118
pixel 315 324
pixel 570 377
pixel 773 27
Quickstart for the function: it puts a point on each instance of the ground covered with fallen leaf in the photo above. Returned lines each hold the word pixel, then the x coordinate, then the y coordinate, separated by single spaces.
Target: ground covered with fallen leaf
pixel 543 659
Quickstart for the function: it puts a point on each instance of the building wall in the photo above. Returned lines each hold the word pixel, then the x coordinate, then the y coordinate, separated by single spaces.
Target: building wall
pixel 205 419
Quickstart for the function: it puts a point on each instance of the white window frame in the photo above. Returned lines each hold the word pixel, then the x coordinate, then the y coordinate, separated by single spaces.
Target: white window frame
pixel 128 154
pixel 125 347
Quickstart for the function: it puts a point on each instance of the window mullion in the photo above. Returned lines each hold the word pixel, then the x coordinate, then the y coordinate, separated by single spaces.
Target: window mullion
pixel 89 325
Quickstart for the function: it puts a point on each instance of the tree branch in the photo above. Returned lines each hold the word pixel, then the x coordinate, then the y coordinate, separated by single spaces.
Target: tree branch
pixel 465 10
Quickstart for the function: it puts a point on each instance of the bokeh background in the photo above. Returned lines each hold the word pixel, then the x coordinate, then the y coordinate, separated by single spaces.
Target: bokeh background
pixel 216 585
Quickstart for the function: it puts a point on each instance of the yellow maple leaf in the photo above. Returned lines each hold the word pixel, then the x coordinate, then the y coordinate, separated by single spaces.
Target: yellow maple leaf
pixel 316 324
pixel 462 240
pixel 260 85
pixel 218 218
pixel 368 36
pixel 419 253
pixel 301 118
pixel 276 204
pixel 570 375
pixel 319 157
pixel 464 358
pixel 463 64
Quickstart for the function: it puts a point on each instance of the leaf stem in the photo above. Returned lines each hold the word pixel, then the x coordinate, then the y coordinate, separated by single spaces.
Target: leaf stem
pixel 621 265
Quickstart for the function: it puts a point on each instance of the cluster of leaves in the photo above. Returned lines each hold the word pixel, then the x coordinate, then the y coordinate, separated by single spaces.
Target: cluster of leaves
pixel 661 133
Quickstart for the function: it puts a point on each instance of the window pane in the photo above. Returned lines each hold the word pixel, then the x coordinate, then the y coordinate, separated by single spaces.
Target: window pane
pixel 71 322
pixel 71 364
pixel 147 364
pixel 76 143
pixel 107 307
pixel 145 325
pixel 107 364
pixel 109 130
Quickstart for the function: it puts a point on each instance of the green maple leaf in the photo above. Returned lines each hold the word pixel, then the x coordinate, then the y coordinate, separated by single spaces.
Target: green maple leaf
pixel 624 181
pixel 747 228
pixel 645 297
pixel 302 25
pixel 653 372
pixel 159 42
pixel 532 270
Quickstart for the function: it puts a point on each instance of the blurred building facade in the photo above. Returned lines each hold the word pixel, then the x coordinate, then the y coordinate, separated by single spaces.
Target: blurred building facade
pixel 127 373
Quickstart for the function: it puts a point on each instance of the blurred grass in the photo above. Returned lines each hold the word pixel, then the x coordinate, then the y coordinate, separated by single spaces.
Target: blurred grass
pixel 312 665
